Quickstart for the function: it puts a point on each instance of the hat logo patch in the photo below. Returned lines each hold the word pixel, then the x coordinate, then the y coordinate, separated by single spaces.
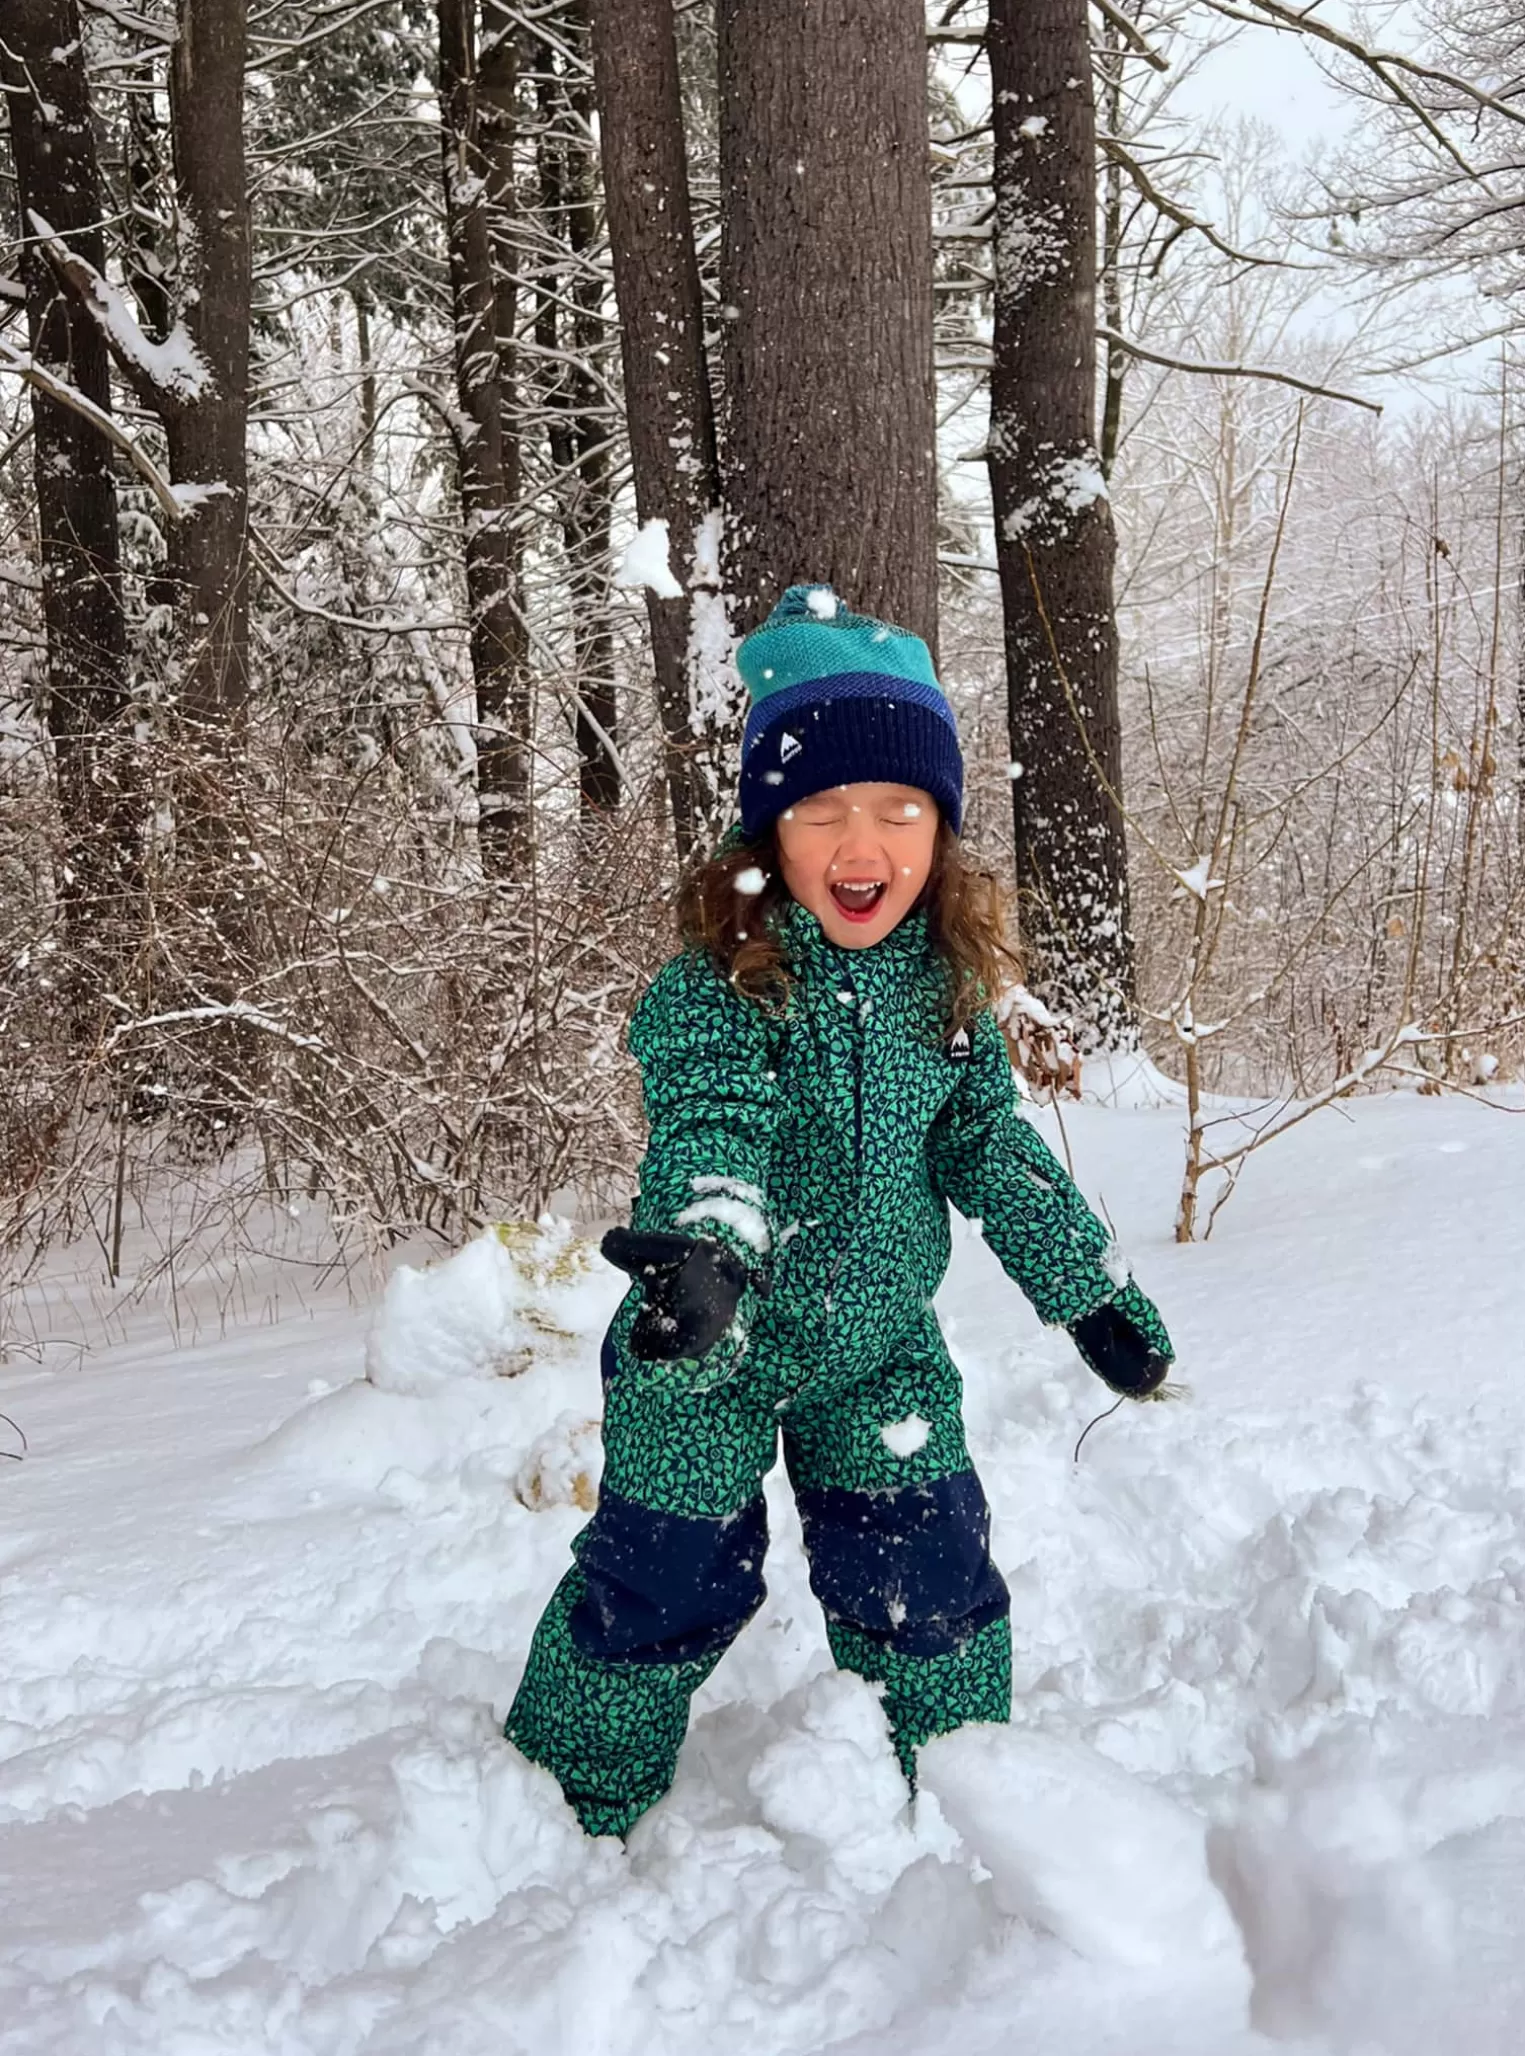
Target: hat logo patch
pixel 789 746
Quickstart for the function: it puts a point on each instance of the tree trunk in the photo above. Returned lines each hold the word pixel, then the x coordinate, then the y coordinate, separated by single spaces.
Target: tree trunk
pixel 1054 537
pixel 208 552
pixel 505 758
pixel 667 398
pixel 144 228
pixel 570 332
pixel 590 508
pixel 1115 360
pixel 497 634
pixel 826 266
pixel 89 711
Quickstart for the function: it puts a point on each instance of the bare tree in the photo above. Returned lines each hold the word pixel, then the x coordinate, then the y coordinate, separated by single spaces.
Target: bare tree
pixel 826 275
pixel 571 339
pixel 88 705
pixel 208 437
pixel 667 395
pixel 478 180
pixel 1054 538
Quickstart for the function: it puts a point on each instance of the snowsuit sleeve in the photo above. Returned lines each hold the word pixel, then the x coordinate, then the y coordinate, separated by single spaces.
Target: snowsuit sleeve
pixel 711 1107
pixel 996 1169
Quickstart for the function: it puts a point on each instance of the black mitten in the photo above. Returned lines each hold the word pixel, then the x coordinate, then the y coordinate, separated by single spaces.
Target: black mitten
pixel 1120 1354
pixel 692 1288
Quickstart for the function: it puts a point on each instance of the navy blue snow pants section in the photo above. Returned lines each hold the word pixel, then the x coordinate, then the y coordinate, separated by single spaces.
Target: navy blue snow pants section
pixel 911 1568
pixel 664 1587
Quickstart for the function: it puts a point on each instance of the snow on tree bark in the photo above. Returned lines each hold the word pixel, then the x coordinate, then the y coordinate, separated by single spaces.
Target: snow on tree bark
pixel 1054 536
pixel 667 394
pixel 826 272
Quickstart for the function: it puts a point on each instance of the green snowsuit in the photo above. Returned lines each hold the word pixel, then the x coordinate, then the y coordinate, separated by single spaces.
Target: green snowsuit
pixel 825 1144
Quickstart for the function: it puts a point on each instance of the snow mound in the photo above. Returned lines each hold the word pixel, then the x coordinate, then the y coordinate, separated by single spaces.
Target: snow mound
pixel 834 1783
pixel 1127 1078
pixel 509 1296
pixel 481 1382
pixel 1345 1931
pixel 1075 1845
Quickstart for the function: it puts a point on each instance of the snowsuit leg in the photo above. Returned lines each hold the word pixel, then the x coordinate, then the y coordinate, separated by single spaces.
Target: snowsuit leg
pixel 667 1573
pixel 899 1544
pixel 670 1569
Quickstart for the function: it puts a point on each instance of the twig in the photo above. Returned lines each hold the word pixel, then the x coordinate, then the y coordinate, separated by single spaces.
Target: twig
pixel 1094 1424
pixel 1131 34
pixel 1208 370
pixel 1303 22
pixel 1174 211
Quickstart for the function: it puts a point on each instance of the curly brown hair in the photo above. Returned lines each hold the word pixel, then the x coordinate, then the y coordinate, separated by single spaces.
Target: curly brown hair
pixel 739 930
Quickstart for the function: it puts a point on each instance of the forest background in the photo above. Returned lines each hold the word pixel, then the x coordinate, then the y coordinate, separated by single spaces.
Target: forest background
pixel 404 408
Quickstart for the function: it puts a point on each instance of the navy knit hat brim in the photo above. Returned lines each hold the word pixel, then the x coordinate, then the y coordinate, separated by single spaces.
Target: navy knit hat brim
pixel 848 739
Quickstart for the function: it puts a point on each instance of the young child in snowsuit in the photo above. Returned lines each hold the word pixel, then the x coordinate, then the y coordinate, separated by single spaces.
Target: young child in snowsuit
pixel 822 1077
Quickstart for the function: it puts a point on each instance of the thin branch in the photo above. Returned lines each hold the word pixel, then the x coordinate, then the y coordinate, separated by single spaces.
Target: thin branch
pixel 1173 211
pixel 65 395
pixel 267 561
pixel 135 24
pixel 1262 371
pixel 1131 34
pixel 1302 22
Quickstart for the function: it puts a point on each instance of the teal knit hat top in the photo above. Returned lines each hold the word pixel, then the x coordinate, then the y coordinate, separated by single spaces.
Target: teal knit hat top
pixel 837 699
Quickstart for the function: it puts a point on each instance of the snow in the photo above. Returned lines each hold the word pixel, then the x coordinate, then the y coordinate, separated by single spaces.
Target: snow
pixel 644 563
pixel 904 1438
pixel 190 497
pixel 1197 881
pixel 750 882
pixel 1068 1838
pixel 739 1215
pixel 1068 486
pixel 263 1615
pixel 822 602
pixel 174 365
pixel 715 687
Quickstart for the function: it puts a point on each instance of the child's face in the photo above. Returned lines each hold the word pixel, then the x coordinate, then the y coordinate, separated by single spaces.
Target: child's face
pixel 857 857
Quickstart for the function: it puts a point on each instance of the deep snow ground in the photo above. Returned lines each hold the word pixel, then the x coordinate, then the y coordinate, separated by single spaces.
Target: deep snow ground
pixel 258 1622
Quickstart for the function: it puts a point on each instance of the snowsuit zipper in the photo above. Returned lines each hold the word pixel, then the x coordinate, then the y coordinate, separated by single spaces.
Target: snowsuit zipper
pixel 851 992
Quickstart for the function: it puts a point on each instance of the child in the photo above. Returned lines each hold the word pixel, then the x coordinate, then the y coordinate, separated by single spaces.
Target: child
pixel 822 1076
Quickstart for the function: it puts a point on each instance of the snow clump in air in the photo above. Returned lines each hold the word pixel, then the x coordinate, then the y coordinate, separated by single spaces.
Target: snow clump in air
pixel 751 881
pixel 645 564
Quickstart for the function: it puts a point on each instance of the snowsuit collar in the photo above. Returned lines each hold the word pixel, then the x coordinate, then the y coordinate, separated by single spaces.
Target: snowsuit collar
pixel 905 949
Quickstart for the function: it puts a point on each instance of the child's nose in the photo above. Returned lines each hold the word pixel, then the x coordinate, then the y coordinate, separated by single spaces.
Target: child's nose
pixel 859 842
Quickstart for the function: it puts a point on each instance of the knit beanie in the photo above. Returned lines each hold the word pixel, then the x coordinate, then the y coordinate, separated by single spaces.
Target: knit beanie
pixel 839 699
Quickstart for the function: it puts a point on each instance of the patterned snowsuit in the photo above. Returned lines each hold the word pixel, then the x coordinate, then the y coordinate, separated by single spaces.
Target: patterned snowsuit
pixel 834 1138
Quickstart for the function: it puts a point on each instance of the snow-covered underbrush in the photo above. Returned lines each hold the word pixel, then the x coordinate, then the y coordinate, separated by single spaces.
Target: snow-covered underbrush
pixel 262 1613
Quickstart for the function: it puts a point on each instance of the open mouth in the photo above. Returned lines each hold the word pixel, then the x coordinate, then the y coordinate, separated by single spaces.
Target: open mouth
pixel 858 898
